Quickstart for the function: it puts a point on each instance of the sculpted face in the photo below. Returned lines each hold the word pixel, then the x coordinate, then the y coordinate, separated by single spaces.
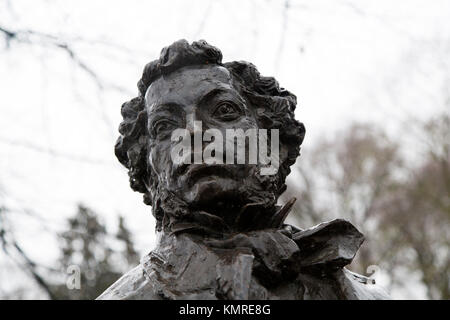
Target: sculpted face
pixel 206 94
pixel 237 181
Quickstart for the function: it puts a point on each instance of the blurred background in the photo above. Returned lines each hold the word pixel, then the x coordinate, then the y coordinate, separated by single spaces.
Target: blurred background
pixel 373 84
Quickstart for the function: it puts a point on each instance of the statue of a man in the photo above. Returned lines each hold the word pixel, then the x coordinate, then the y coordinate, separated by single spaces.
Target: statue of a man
pixel 221 234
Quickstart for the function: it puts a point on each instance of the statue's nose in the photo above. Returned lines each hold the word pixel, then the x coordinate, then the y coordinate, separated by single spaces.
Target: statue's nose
pixel 194 124
pixel 195 129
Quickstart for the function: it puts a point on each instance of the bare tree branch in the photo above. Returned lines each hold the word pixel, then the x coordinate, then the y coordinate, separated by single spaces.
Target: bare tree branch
pixel 35 37
pixel 8 241
pixel 203 22
pixel 52 152
pixel 282 36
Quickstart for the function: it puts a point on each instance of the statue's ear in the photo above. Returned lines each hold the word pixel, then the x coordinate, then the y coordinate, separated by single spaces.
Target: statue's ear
pixel 151 184
pixel 148 200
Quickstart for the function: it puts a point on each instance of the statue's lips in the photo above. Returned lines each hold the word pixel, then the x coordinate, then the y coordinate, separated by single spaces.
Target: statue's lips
pixel 197 171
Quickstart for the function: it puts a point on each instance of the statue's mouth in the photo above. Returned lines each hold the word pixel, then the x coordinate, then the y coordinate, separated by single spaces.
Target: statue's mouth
pixel 193 172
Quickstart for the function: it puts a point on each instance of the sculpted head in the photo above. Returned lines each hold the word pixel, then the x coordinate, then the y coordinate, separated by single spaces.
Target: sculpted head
pixel 187 86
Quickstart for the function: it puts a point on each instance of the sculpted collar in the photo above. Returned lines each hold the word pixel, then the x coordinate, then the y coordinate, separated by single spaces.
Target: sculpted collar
pixel 279 249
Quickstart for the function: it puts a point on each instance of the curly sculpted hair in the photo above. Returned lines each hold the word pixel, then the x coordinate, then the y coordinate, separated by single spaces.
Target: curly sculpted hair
pixel 274 109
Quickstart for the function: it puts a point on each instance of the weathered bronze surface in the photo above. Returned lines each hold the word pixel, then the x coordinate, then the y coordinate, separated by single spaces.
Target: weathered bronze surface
pixel 221 234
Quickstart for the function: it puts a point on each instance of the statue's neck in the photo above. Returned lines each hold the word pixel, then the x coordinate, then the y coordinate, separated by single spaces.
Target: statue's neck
pixel 251 217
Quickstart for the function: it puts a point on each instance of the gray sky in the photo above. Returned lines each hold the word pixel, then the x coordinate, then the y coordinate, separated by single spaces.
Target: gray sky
pixel 380 61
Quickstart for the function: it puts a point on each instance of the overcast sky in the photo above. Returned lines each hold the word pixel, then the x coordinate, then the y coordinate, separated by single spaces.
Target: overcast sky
pixel 379 61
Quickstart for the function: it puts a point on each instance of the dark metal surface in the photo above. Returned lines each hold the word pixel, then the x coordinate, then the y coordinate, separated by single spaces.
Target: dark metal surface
pixel 221 234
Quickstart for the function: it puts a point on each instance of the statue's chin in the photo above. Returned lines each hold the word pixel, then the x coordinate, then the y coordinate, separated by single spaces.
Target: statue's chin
pixel 224 196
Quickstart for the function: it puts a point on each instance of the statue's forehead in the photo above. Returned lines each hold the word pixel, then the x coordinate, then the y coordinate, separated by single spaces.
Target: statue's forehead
pixel 187 85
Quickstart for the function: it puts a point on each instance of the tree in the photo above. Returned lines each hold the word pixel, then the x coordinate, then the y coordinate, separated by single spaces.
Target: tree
pixel 347 177
pixel 402 206
pixel 419 211
pixel 87 245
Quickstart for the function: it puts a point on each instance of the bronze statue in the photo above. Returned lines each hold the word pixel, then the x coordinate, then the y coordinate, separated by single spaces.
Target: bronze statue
pixel 221 234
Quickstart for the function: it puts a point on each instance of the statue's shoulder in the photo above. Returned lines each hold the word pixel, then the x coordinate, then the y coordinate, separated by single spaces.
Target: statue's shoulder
pixel 133 285
pixel 330 246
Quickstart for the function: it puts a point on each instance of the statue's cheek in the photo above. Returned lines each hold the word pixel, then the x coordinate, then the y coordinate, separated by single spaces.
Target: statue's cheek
pixel 159 157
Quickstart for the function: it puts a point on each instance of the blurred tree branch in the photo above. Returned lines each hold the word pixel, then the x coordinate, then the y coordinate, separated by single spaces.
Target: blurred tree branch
pixel 360 175
pixel 9 242
pixel 52 152
pixel 44 39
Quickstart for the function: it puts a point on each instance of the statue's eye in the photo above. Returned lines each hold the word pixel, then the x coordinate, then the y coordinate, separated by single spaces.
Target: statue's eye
pixel 161 126
pixel 226 111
